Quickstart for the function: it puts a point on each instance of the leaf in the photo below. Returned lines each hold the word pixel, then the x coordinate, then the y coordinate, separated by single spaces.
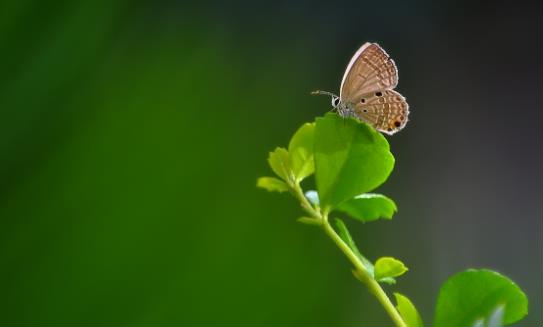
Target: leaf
pixel 388 280
pixel 386 267
pixel 475 294
pixel 351 158
pixel 369 207
pixel 300 149
pixel 313 197
pixel 309 221
pixel 408 311
pixel 346 237
pixel 272 184
pixel 279 161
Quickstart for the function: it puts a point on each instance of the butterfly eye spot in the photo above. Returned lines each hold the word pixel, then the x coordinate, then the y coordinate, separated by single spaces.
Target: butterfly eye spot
pixel 397 123
pixel 379 94
pixel 389 129
pixel 365 110
pixel 363 100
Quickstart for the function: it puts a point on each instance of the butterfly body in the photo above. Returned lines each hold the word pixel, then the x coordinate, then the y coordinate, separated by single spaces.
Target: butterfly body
pixel 367 93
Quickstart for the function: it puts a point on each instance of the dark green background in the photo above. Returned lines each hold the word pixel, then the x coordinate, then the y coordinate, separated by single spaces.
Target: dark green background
pixel 132 134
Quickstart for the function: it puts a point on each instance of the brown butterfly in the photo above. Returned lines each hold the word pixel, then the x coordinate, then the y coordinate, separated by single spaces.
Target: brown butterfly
pixel 367 91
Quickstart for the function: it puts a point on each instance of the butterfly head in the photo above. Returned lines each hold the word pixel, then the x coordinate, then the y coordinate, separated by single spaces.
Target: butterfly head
pixel 335 101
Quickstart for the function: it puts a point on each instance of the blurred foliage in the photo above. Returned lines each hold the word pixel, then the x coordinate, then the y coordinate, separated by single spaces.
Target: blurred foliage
pixel 130 141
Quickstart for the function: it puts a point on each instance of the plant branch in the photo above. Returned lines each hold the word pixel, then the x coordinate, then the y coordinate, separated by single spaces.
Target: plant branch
pixel 362 274
pixel 371 283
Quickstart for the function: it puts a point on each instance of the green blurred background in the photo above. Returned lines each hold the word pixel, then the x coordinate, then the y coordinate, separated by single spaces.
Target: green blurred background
pixel 132 134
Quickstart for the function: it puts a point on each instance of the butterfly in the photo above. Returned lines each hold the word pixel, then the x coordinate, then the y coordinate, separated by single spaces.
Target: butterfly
pixel 367 91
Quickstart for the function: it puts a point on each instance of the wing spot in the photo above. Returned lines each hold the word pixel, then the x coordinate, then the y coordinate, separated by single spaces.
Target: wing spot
pixel 379 94
pixel 397 123
pixel 389 129
pixel 363 100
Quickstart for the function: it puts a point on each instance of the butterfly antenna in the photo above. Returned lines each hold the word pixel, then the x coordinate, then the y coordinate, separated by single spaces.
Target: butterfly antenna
pixel 319 92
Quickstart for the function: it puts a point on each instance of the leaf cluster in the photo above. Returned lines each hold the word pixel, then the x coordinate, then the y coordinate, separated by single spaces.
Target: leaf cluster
pixel 349 160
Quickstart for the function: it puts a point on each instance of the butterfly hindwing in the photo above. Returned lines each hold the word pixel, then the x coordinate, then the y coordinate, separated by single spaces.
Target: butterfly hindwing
pixel 385 110
pixel 370 70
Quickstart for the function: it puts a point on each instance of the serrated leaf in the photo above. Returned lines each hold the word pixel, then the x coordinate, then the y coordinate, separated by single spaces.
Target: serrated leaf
pixel 346 237
pixel 300 149
pixel 386 267
pixel 369 207
pixel 408 311
pixel 351 158
pixel 272 184
pixel 279 161
pixel 474 294
pixel 313 197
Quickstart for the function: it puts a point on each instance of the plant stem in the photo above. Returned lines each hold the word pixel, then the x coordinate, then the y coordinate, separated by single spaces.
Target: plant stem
pixel 363 275
pixel 371 283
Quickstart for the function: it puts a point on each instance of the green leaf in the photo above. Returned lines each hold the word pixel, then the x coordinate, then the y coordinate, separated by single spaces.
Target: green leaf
pixel 474 294
pixel 408 311
pixel 301 151
pixel 310 221
pixel 387 280
pixel 272 184
pixel 351 158
pixel 369 207
pixel 346 237
pixel 279 161
pixel 386 267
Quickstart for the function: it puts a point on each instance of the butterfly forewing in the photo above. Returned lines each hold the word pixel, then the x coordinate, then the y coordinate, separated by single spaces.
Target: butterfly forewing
pixel 370 70
pixel 385 110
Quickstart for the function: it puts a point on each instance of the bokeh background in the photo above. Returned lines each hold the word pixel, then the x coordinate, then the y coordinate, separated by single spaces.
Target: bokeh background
pixel 132 134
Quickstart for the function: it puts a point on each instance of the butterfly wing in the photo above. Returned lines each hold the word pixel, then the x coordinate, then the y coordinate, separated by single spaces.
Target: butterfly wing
pixel 370 70
pixel 385 110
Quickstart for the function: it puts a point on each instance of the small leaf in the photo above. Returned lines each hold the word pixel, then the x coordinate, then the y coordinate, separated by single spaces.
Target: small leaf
pixel 272 184
pixel 313 197
pixel 309 221
pixel 389 267
pixel 346 237
pixel 369 207
pixel 351 158
pixel 279 161
pixel 387 280
pixel 408 311
pixel 300 149
pixel 474 294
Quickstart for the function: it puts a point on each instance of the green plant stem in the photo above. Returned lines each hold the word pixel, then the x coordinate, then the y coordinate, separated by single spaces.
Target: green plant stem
pixel 363 274
pixel 371 283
